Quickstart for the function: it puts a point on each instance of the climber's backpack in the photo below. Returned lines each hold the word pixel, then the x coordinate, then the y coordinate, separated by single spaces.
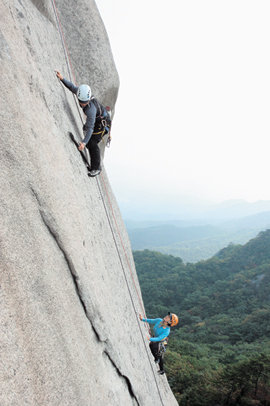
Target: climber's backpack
pixel 103 117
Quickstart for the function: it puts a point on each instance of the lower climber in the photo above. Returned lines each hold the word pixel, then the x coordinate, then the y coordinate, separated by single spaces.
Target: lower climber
pixel 162 328
pixel 97 122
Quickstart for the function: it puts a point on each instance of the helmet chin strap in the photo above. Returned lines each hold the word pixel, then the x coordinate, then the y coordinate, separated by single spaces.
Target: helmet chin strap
pixel 169 314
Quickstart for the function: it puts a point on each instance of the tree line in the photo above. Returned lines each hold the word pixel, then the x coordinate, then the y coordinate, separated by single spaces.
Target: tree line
pixel 220 352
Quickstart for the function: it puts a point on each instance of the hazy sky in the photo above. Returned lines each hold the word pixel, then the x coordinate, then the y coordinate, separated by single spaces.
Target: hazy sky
pixel 192 117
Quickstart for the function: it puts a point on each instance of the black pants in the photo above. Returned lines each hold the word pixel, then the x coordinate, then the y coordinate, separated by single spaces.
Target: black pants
pixel 94 150
pixel 154 347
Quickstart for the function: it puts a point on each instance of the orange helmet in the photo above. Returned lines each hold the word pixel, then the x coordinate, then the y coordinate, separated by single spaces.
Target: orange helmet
pixel 174 319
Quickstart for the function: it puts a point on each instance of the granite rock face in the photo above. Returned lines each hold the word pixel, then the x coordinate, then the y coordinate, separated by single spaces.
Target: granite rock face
pixel 69 293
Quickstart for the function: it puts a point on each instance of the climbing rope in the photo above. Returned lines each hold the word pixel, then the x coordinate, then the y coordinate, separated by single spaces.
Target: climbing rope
pixel 122 244
pixel 69 67
pixel 67 57
pixel 130 294
pixel 72 78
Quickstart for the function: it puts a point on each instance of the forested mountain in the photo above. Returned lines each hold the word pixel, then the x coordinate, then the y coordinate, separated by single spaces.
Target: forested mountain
pixel 194 241
pixel 220 352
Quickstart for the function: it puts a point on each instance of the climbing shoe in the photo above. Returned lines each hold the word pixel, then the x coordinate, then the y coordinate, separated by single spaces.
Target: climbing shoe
pixel 161 372
pixel 94 172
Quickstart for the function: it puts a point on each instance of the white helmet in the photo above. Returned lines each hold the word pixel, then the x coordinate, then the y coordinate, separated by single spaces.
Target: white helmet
pixel 84 93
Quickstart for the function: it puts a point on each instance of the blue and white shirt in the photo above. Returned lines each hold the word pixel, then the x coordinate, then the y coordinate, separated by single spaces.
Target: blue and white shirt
pixel 160 331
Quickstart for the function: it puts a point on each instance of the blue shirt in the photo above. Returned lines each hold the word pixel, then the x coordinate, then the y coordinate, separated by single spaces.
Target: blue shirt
pixel 160 331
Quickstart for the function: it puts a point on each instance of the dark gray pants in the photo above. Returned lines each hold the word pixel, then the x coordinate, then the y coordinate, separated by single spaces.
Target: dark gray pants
pixel 154 347
pixel 94 150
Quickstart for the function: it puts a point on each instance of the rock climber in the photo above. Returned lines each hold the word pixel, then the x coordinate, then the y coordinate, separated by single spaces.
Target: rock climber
pixel 162 328
pixel 97 122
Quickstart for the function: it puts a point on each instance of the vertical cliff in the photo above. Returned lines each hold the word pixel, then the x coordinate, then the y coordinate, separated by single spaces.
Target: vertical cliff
pixel 68 291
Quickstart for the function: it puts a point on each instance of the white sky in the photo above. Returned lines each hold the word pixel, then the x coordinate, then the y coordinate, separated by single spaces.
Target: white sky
pixel 192 117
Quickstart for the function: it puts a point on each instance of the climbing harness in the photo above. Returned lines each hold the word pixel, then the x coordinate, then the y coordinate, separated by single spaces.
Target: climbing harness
pixel 103 118
pixel 100 132
pixel 109 112
pixel 69 67
pixel 162 347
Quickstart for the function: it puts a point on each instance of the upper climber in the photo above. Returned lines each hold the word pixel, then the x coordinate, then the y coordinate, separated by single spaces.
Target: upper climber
pixel 97 122
pixel 162 328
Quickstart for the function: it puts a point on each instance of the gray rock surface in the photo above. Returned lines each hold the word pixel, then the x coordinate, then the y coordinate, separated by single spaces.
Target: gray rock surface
pixel 69 293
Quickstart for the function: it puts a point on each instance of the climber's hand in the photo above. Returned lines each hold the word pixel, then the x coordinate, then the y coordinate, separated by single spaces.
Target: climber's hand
pixel 140 317
pixel 81 146
pixel 148 338
pixel 58 74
